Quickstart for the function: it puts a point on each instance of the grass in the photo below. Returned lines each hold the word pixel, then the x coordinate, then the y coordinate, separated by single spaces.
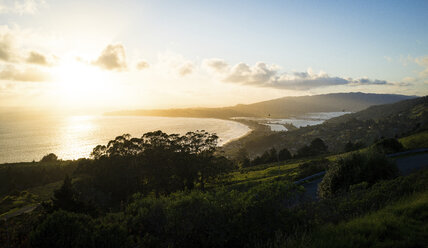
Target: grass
pixel 45 192
pixel 419 140
pixel 31 196
pixel 401 224
pixel 16 201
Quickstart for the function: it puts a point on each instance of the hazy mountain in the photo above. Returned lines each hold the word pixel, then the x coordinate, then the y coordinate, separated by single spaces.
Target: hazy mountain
pixel 281 107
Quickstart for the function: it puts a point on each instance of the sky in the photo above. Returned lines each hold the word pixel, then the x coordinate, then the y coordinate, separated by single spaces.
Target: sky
pixel 112 55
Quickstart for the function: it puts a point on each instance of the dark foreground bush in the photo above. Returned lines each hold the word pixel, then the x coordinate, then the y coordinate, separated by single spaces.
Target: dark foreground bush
pixel 354 169
pixel 216 219
pixel 65 229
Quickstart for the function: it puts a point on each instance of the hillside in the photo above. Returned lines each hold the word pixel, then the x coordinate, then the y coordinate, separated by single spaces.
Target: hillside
pixel 281 107
pixel 388 120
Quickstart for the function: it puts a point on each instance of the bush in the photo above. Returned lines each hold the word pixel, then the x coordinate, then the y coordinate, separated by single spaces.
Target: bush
pixel 316 147
pixel 63 229
pixel 284 154
pixel 66 229
pixel 354 169
pixel 51 157
pixel 388 146
pixel 312 167
pixel 213 219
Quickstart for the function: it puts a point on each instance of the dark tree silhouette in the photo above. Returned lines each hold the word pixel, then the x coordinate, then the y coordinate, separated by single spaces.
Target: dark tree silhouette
pixel 51 157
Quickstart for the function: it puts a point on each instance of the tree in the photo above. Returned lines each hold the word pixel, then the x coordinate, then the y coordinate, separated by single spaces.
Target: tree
pixel 51 157
pixel 316 147
pixel 273 155
pixel 390 145
pixel 65 198
pixel 284 154
pixel 353 146
pixel 242 159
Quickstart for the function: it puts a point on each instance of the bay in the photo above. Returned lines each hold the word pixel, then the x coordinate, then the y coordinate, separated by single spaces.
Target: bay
pixel 73 137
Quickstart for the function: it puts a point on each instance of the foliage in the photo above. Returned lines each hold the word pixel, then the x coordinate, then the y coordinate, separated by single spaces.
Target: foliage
pixel 418 140
pixel 318 227
pixel 212 219
pixel 350 146
pixel 284 154
pixel 66 198
pixel 402 224
pixel 66 229
pixel 354 169
pixel 157 162
pixel 51 157
pixel 316 147
pixel 390 145
pixel 312 167
pixel 17 200
pixel 22 176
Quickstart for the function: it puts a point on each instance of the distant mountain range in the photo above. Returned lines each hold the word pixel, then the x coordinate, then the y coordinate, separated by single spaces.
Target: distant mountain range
pixel 280 108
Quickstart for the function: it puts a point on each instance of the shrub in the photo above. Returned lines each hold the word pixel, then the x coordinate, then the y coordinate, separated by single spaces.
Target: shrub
pixel 284 154
pixel 66 229
pixel 390 145
pixel 354 169
pixel 51 157
pixel 213 219
pixel 316 147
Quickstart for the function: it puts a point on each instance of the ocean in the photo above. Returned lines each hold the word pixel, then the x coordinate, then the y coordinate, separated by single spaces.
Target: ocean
pixel 73 137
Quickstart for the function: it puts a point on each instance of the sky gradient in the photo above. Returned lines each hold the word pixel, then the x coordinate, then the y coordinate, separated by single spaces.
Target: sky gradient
pixel 110 55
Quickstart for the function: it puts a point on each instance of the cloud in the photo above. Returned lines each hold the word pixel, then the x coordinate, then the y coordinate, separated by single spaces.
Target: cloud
pixel 142 65
pixel 37 58
pixel 10 72
pixel 21 7
pixel 5 46
pixel 112 58
pixel 218 65
pixel 423 61
pixel 264 75
pixel 175 64
pixel 185 69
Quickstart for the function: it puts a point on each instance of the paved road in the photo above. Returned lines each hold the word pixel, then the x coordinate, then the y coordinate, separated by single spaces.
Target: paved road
pixel 406 165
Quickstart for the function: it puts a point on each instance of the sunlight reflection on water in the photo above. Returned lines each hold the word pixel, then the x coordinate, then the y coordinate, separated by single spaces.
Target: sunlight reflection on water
pixel 75 137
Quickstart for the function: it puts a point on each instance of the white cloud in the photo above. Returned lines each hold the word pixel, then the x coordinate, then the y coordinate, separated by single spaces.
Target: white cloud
pixel 175 64
pixel 142 65
pixel 423 61
pixel 264 75
pixel 21 7
pixel 11 73
pixel 215 64
pixel 37 58
pixel 185 69
pixel 112 58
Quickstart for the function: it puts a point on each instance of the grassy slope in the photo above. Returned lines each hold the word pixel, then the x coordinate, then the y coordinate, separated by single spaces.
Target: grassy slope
pixel 402 224
pixel 419 140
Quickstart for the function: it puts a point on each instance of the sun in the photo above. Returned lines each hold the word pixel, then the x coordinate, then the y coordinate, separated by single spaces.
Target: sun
pixel 80 84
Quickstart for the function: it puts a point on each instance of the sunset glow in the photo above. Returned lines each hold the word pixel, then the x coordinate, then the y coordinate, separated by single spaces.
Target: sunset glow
pixel 77 55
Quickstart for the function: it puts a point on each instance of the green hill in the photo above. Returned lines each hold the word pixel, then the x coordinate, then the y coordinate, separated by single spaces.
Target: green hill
pixel 281 107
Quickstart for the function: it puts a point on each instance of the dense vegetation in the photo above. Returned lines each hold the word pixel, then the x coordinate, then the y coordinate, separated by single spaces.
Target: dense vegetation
pixel 168 190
